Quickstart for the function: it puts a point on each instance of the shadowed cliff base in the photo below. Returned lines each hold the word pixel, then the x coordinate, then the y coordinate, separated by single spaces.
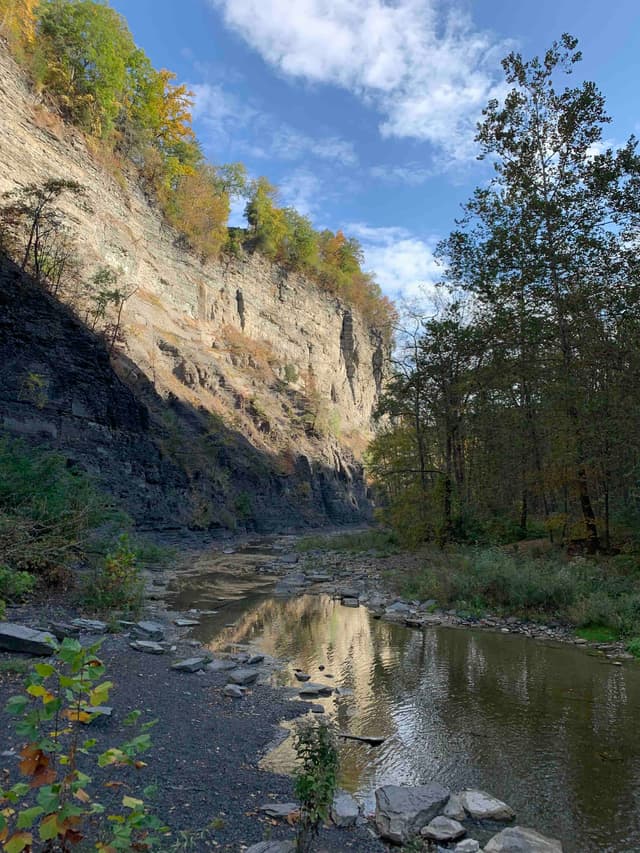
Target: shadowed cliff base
pixel 165 461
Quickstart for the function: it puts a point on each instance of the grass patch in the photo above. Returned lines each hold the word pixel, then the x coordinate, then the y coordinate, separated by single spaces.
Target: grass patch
pixel 384 542
pixel 15 666
pixel 590 594
pixel 634 647
pixel 597 634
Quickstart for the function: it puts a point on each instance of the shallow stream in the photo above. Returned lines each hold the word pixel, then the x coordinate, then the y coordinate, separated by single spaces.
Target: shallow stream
pixel 549 728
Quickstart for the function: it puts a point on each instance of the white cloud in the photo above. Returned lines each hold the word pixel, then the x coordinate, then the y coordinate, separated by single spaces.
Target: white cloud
pixel 411 174
pixel 402 263
pixel 301 189
pixel 230 121
pixel 427 71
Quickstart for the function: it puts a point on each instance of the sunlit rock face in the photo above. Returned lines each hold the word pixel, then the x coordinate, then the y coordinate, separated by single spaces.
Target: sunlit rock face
pixel 278 364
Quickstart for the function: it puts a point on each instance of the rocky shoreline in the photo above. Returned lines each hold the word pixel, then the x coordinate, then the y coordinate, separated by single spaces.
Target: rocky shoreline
pixel 154 662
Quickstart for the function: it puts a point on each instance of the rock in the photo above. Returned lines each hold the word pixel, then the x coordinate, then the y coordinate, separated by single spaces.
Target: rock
pixel 60 630
pixel 302 676
pixel 148 646
pixel 243 676
pixel 345 810
pixel 371 740
pixel 469 845
pixel 149 631
pixel 350 602
pixel 90 626
pixel 318 577
pixel 402 811
pixel 398 607
pixel 254 660
pixel 429 604
pixel 519 839
pixel 344 691
pixel 443 829
pixel 272 847
pixel 234 691
pixel 313 689
pixel 454 808
pixel 19 638
pixel 221 665
pixel 482 806
pixel 317 709
pixel 185 623
pixel 98 711
pixel 190 665
pixel 282 810
pixel 289 559
pixel 348 593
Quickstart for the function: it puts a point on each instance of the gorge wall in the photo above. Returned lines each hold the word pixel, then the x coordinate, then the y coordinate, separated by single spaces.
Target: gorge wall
pixel 242 395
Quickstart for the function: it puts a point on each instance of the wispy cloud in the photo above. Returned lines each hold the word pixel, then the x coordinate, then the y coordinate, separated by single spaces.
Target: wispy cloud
pixel 230 121
pixel 403 263
pixel 303 190
pixel 420 63
pixel 410 174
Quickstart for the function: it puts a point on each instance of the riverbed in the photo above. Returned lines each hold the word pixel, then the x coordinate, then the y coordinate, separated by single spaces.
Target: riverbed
pixel 547 727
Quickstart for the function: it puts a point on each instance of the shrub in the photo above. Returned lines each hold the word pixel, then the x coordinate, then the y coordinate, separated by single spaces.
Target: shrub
pixel 15 585
pixel 634 647
pixel 316 779
pixel 116 584
pixel 57 799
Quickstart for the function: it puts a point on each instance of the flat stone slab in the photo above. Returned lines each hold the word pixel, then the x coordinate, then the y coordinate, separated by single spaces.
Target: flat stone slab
pixel 272 847
pixel 243 676
pixel 350 602
pixel 254 660
pixel 402 811
pixel 344 809
pixel 235 691
pixel 186 623
pixel 190 665
pixel 313 689
pixel 61 630
pixel 98 711
pixel 281 810
pixel 302 676
pixel 221 665
pixel 482 806
pixel 91 626
pixel 149 631
pixel 148 647
pixel 443 828
pixel 520 839
pixel 469 845
pixel 19 638
pixel 372 740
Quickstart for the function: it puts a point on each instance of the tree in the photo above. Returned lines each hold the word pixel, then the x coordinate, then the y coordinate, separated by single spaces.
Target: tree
pixel 18 23
pixel 85 51
pixel 200 210
pixel 300 242
pixel 267 222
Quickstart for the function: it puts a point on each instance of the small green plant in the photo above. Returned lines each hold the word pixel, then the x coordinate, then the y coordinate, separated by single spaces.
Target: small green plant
pixel 15 584
pixel 633 646
pixel 116 585
pixel 15 666
pixel 34 389
pixel 316 778
pixel 55 803
pixel 290 373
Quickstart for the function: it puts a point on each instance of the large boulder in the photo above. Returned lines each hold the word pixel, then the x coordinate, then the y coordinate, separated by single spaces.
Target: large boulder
pixel 482 806
pixel 519 839
pixel 19 638
pixel 402 811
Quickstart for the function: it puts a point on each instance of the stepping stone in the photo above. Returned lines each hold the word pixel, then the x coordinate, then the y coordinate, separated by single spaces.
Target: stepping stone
pixel 243 676
pixel 19 638
pixel 149 631
pixel 520 839
pixel 148 647
pixel 302 676
pixel 312 689
pixel 234 691
pixel 190 665
pixel 185 623
pixel 482 806
pixel 255 659
pixel 282 810
pixel 91 626
pixel 443 829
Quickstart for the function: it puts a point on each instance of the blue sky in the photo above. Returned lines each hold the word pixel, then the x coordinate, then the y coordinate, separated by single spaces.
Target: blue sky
pixel 362 111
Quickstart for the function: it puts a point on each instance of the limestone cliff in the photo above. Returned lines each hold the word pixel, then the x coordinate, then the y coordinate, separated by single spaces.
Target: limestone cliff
pixel 258 388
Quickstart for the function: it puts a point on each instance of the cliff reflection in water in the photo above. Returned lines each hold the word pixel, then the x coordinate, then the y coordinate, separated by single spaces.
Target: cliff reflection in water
pixel 550 729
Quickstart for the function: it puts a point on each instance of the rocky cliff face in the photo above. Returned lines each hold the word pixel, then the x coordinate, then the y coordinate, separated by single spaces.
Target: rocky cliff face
pixel 258 388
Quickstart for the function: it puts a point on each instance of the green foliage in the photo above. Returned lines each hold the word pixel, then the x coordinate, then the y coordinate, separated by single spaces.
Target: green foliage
pixel 384 542
pixel 57 802
pixel 48 512
pixel 267 222
pixel 15 666
pixel 597 634
pixel 15 585
pixel 116 583
pixel 634 647
pixel 316 778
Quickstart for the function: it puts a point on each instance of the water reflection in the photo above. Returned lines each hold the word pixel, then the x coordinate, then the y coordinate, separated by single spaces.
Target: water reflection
pixel 550 729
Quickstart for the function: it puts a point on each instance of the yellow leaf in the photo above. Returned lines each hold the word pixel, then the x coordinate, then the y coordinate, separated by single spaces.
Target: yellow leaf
pixel 82 795
pixel 131 802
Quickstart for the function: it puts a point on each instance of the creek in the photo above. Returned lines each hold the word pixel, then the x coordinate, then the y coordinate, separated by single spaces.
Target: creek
pixel 547 727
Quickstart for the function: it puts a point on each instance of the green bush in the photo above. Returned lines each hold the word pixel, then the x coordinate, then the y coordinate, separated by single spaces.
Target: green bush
pixel 15 585
pixel 116 584
pixel 634 647
pixel 316 778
